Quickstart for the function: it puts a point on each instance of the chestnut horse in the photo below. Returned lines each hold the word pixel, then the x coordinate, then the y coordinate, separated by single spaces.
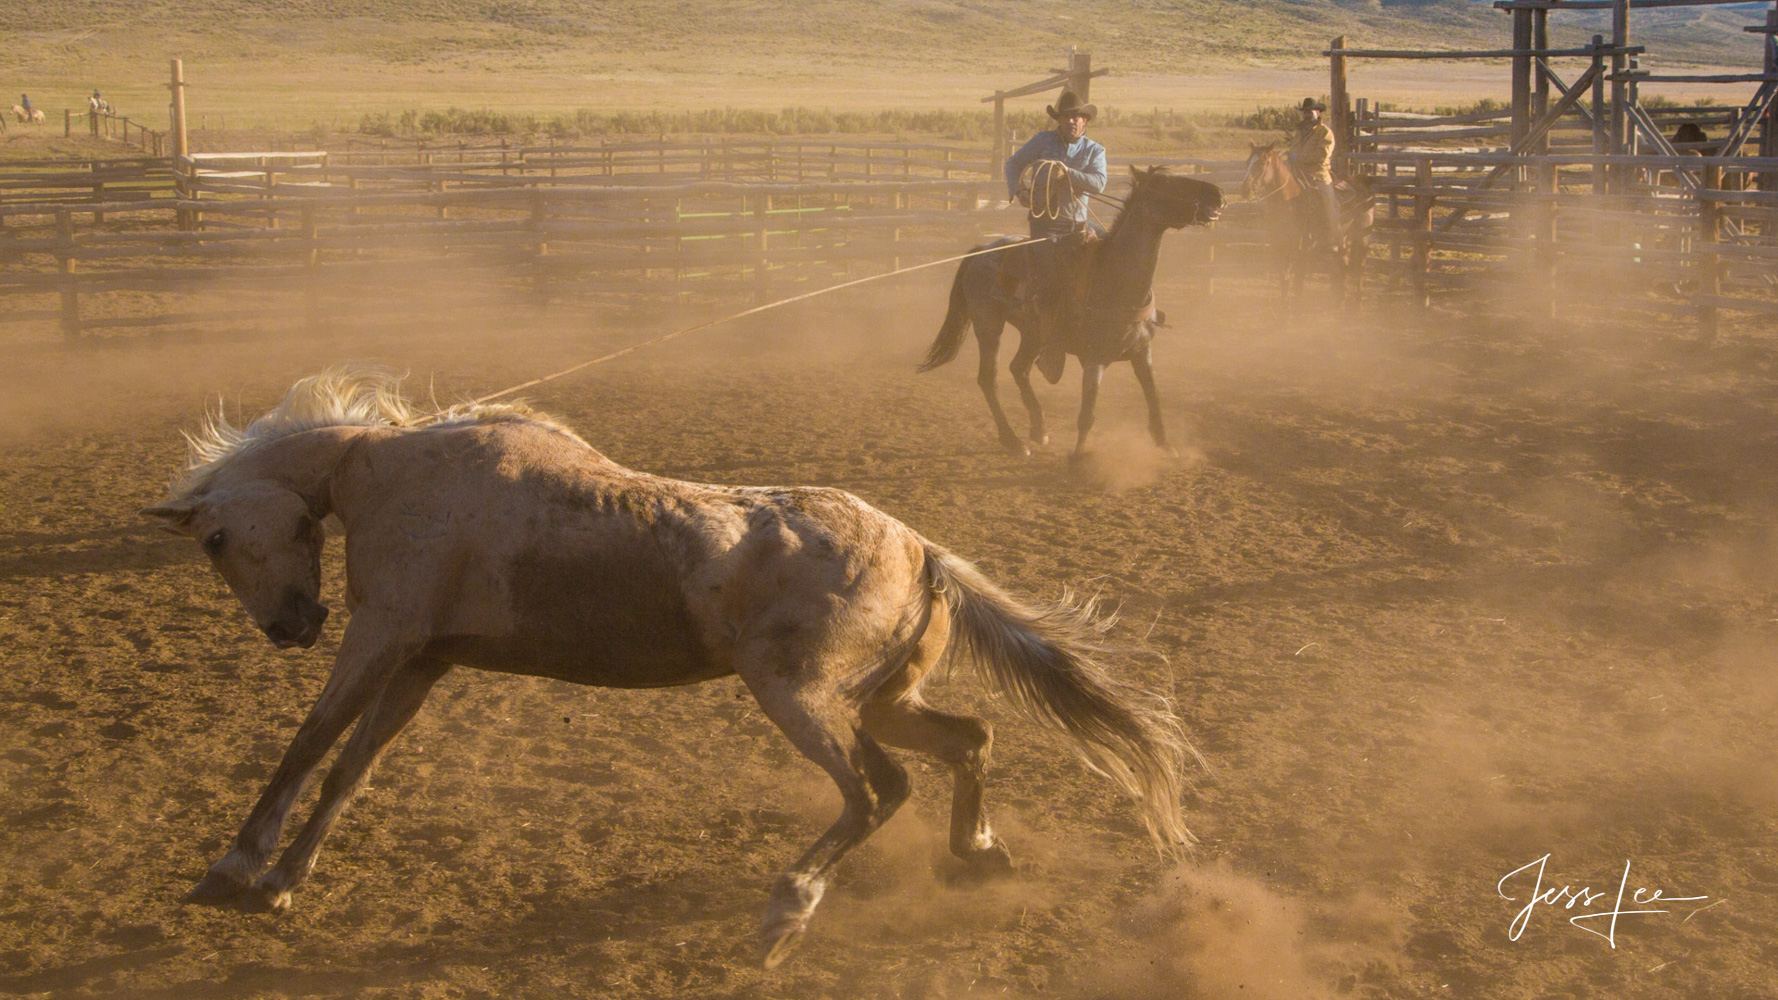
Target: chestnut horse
pixel 1288 205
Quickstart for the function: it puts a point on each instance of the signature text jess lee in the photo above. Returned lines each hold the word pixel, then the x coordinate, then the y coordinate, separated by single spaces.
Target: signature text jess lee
pixel 1568 898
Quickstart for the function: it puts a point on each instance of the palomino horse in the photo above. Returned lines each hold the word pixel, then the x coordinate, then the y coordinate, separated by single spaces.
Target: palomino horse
pixel 1115 320
pixel 1271 183
pixel 492 537
pixel 34 116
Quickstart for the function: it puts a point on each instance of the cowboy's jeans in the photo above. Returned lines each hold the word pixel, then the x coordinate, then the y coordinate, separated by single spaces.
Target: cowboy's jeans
pixel 1326 212
pixel 1046 285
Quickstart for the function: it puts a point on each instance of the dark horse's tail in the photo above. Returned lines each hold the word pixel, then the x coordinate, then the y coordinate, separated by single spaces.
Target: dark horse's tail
pixel 950 335
pixel 1041 658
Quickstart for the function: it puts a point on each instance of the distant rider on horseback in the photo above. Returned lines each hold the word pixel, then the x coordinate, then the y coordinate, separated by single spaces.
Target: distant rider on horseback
pixel 1082 162
pixel 1311 157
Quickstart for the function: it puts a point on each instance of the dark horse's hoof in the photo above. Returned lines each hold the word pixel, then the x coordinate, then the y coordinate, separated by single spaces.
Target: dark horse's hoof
pixel 214 890
pixel 1016 448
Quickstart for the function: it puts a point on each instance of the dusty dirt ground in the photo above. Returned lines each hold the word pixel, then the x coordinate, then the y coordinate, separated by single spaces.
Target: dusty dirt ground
pixel 1436 595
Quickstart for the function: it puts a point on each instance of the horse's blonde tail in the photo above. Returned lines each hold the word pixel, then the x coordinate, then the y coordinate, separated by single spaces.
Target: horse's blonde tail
pixel 956 324
pixel 1041 658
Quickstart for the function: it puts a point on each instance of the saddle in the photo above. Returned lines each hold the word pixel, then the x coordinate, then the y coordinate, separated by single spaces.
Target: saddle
pixel 1079 252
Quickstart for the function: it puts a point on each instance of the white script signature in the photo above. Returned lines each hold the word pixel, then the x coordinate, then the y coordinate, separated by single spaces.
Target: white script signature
pixel 1585 897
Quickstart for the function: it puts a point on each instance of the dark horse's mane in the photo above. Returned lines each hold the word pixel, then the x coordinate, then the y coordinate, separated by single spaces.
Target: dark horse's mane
pixel 1124 212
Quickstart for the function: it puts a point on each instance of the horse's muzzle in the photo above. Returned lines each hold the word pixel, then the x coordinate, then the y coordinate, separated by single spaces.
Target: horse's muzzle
pixel 299 621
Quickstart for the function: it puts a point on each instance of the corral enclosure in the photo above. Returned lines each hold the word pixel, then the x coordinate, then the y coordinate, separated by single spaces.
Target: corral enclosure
pixel 1439 589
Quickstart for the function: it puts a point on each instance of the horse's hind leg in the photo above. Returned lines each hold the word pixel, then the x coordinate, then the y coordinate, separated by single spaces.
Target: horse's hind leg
pixel 987 336
pixel 388 715
pixel 1021 374
pixel 963 743
pixel 826 728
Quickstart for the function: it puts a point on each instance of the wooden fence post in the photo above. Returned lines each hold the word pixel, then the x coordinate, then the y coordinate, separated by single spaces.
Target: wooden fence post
pixel 1422 227
pixel 310 232
pixel 540 275
pixel 762 205
pixel 1336 101
pixel 1620 88
pixel 67 123
pixel 997 155
pixel 65 264
pixel 1710 269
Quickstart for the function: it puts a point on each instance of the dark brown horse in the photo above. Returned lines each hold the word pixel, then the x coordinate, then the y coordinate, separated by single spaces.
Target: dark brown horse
pixel 1114 321
pixel 1288 207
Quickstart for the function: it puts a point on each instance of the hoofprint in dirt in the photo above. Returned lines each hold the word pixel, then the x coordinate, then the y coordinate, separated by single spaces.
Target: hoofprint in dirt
pixel 1440 598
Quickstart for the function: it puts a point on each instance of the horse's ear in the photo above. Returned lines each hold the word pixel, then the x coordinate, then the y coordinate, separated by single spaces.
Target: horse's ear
pixel 174 515
pixel 1135 172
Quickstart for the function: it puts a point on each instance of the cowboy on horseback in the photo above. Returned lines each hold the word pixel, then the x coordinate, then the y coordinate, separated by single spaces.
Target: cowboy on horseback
pixel 1070 165
pixel 1311 157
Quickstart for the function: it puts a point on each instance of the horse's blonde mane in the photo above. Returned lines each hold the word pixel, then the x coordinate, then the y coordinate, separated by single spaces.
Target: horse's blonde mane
pixel 341 396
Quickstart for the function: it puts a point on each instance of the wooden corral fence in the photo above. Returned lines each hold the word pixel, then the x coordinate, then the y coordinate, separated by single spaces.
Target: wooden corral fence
pixel 1576 185
pixel 1549 237
pixel 676 218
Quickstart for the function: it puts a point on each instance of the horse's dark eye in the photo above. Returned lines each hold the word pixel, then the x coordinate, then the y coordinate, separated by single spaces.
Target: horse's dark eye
pixel 213 544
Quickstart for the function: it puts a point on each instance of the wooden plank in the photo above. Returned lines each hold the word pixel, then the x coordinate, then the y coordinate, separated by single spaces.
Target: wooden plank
pixel 1644 76
pixel 1607 4
pixel 1767 306
pixel 1517 51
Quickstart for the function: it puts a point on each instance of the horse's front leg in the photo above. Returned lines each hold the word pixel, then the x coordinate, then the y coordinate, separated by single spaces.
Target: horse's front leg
pixel 365 662
pixel 1142 362
pixel 1021 375
pixel 1090 374
pixel 393 709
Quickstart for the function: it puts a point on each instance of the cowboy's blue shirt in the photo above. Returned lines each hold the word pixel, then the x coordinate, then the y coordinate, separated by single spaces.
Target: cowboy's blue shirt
pixel 1084 158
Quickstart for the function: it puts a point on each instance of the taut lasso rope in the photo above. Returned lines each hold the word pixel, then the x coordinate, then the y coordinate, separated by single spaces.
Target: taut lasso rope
pixel 745 312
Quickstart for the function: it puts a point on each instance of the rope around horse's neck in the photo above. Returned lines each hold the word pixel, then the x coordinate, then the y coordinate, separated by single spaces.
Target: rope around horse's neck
pixel 745 312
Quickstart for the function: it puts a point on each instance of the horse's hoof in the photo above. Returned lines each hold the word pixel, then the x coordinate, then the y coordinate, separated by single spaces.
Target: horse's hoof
pixel 1079 457
pixel 991 861
pixel 263 899
pixel 1040 440
pixel 214 890
pixel 1017 448
pixel 1169 451
pixel 780 941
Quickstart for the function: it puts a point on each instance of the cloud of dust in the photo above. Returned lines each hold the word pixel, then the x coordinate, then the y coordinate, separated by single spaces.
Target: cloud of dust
pixel 1207 931
pixel 1123 458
